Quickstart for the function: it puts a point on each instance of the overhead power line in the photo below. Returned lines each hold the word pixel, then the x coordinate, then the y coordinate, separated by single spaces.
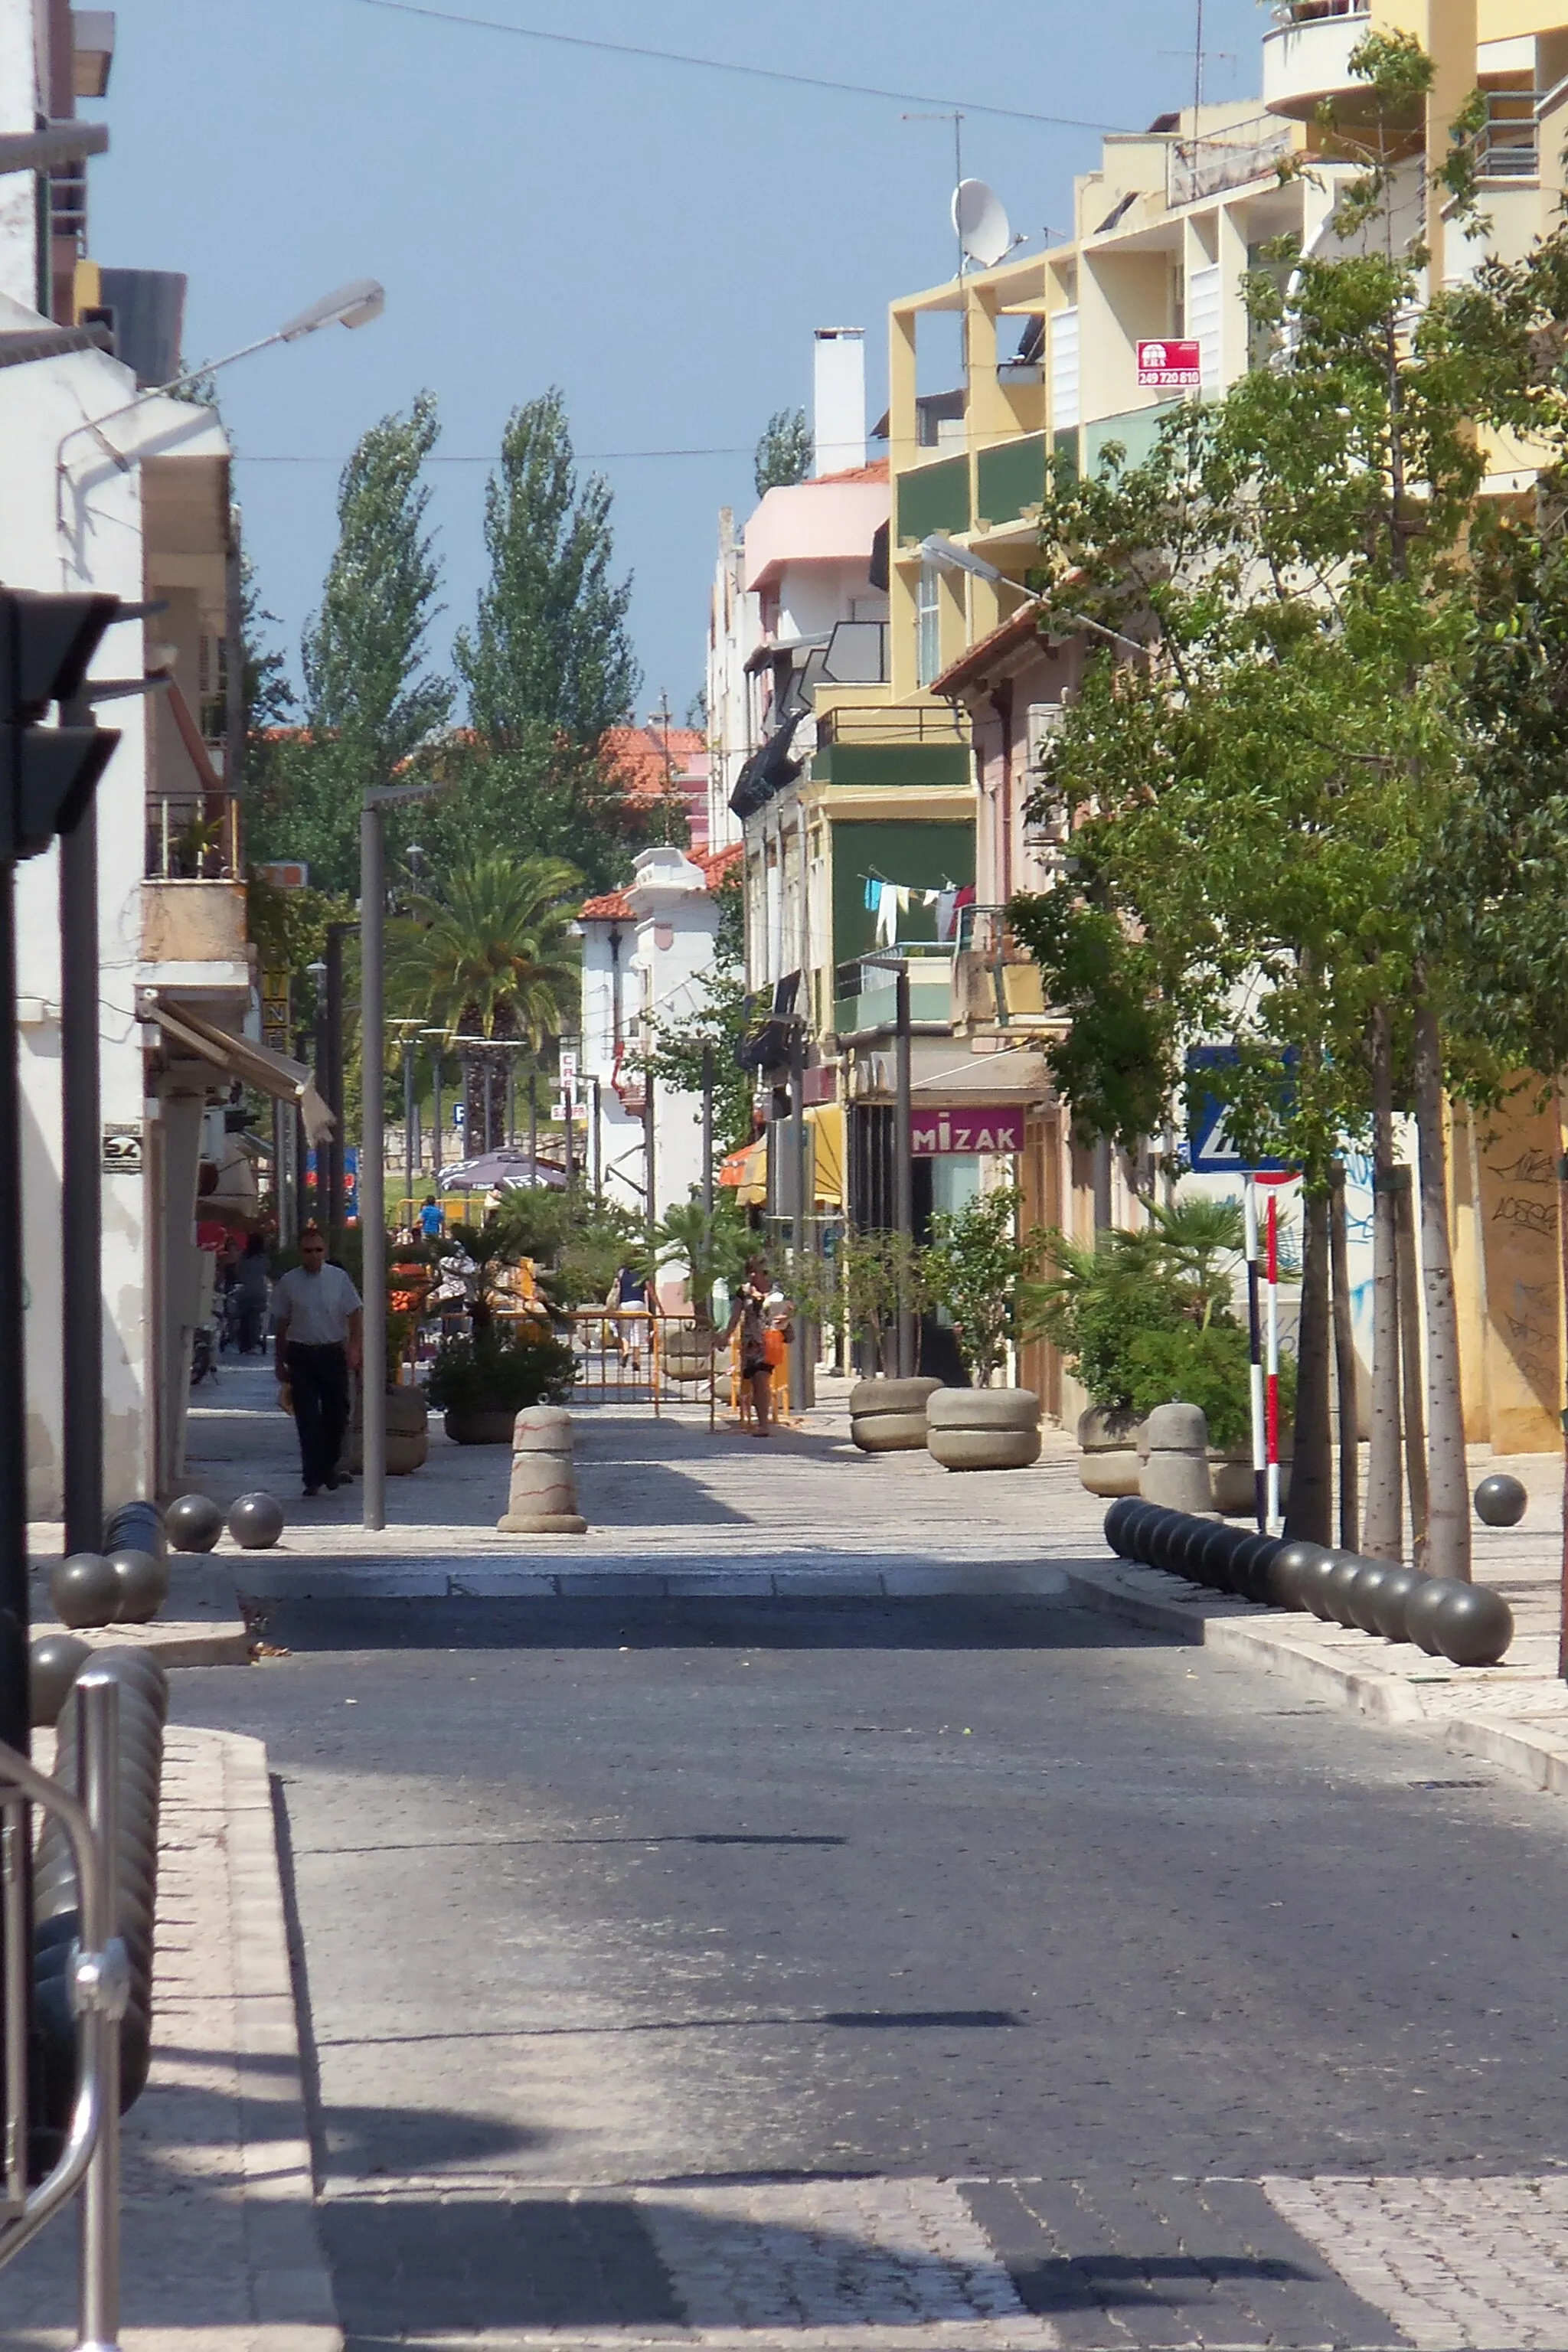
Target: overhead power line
pixel 580 456
pixel 725 65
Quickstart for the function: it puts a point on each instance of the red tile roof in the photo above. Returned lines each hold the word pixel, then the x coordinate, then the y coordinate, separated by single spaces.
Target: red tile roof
pixel 720 863
pixel 877 471
pixel 611 909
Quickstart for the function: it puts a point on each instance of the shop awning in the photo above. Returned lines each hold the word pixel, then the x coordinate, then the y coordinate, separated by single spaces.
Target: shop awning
pixel 257 1066
pixel 827 1123
pixel 745 1172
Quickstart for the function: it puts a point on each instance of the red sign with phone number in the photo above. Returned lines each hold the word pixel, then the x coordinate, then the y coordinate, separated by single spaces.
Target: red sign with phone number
pixel 1173 365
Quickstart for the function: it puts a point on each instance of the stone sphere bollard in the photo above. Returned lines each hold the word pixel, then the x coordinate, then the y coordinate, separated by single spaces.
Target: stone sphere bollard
pixel 255 1520
pixel 194 1523
pixel 52 1666
pixel 1500 1501
pixel 85 1591
pixel 141 1584
pixel 1177 1466
pixel 542 1498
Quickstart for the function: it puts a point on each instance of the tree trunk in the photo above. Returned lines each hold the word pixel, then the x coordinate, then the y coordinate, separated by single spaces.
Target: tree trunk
pixel 1382 1532
pixel 1344 1365
pixel 1309 1514
pixel 1448 1479
pixel 1410 1363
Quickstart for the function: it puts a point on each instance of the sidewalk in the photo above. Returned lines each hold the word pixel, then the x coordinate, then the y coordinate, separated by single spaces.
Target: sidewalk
pixel 221 2248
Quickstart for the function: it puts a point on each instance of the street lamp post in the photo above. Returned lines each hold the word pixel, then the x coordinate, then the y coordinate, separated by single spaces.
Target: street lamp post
pixel 372 1133
pixel 903 1157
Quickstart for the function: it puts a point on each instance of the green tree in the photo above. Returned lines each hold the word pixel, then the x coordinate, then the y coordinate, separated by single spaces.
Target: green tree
pixel 1257 798
pixel 370 699
pixel 489 954
pixel 783 452
pixel 705 1037
pixel 979 1265
pixel 550 646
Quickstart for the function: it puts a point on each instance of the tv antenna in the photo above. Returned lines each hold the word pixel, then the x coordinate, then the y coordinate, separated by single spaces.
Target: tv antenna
pixel 957 122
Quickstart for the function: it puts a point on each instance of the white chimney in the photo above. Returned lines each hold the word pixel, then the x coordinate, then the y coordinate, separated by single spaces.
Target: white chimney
pixel 839 400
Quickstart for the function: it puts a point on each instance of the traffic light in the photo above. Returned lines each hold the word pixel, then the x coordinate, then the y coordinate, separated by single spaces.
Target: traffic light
pixel 47 773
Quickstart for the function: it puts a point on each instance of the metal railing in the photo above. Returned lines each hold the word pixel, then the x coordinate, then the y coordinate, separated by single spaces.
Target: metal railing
pixel 626 1355
pixel 1508 146
pixel 1227 157
pixel 99 1984
pixel 921 722
pixel 194 837
pixel 995 978
pixel 1308 12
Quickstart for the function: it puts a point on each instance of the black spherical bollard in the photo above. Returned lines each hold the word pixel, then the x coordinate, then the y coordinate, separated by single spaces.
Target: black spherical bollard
pixel 85 1591
pixel 136 1527
pixel 1421 1610
pixel 1311 1583
pixel 1187 1546
pixel 194 1522
pixel 1249 1566
pixel 141 1585
pixel 52 1663
pixel 256 1521
pixel 1153 1532
pixel 1216 1557
pixel 1474 1625
pixel 1392 1597
pixel 1363 1595
pixel 1135 1526
pixel 1288 1567
pixel 1500 1501
pixel 1116 1522
pixel 1336 1585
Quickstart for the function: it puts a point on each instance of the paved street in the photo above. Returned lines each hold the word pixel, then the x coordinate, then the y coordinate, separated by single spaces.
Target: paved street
pixel 951 1972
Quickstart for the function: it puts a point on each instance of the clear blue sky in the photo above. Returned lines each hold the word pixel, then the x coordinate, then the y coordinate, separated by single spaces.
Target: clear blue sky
pixel 658 240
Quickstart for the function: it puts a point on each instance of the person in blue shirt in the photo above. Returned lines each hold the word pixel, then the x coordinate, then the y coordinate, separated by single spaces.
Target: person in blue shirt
pixel 432 1220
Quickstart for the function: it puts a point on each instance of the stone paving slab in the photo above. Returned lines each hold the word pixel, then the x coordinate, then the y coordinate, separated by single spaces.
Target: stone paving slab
pixel 221 2246
pixel 822 1577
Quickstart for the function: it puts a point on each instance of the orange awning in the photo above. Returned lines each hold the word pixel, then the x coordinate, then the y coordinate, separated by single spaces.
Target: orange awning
pixel 746 1172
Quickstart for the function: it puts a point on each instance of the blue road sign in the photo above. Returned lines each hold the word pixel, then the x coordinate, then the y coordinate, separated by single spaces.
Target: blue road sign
pixel 1211 1150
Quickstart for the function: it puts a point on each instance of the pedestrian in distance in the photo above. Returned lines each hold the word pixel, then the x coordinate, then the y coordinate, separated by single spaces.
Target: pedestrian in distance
pixel 250 1286
pixel 320 1326
pixel 765 1334
pixel 432 1219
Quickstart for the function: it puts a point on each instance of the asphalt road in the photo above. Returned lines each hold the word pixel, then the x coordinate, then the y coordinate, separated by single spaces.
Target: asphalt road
pixel 596 1894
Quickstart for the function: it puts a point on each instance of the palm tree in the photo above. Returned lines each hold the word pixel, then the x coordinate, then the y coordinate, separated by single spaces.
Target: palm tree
pixel 488 953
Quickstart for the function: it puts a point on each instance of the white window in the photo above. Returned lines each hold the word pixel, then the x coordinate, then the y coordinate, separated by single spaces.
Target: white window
pixel 1065 409
pixel 929 607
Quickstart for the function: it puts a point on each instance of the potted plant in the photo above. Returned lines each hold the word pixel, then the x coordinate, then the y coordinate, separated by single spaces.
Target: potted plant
pixel 482 1382
pixel 979 1265
pixel 876 1274
pixel 712 1249
pixel 1145 1318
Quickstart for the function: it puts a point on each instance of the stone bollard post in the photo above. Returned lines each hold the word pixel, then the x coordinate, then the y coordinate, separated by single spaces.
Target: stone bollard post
pixel 1175 1471
pixel 543 1500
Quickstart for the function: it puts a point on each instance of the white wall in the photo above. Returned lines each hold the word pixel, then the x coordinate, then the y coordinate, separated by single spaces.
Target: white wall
pixel 38 403
pixel 18 108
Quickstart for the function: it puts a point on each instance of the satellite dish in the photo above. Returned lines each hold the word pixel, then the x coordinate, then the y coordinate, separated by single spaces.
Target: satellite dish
pixel 983 231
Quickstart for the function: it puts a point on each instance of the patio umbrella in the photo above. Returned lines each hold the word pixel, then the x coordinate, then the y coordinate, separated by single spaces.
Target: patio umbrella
pixel 506 1168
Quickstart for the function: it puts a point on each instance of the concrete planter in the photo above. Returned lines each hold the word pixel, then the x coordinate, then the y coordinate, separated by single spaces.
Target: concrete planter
pixel 983 1429
pixel 1230 1475
pixel 889 1416
pixel 688 1354
pixel 480 1424
pixel 1108 1452
pixel 407 1433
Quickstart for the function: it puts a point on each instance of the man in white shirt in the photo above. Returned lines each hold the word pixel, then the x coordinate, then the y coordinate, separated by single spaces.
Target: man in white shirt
pixel 321 1336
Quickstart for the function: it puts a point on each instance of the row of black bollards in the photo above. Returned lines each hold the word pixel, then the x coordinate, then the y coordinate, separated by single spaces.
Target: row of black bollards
pixel 1467 1624
pixel 142 1712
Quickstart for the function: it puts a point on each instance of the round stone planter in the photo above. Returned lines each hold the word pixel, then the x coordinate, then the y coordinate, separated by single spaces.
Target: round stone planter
pixel 480 1424
pixel 889 1416
pixel 983 1429
pixel 407 1434
pixel 1108 1452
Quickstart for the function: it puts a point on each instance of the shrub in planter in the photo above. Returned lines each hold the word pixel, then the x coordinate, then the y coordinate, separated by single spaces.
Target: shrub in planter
pixel 481 1384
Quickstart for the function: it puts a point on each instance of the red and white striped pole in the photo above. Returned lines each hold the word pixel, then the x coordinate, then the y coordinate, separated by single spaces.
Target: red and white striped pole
pixel 1254 1352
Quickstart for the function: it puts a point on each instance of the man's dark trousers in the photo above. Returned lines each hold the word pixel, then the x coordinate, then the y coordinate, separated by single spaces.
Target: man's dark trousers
pixel 319 1378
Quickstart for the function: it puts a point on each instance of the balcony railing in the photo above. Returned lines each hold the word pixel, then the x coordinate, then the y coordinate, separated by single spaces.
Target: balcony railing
pixel 865 995
pixel 1509 147
pixel 1308 12
pixel 1227 157
pixel 996 983
pixel 920 723
pixel 194 837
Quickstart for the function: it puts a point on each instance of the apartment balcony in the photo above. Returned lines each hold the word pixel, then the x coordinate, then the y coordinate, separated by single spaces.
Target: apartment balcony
pixel 1228 158
pixel 1307 56
pixel 996 983
pixel 865 995
pixel 194 932
pixel 892 744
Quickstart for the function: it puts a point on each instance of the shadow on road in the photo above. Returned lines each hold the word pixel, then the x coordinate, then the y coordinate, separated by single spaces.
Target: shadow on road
pixel 986 1623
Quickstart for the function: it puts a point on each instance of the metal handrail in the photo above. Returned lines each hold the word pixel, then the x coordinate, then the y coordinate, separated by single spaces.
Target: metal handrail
pixel 100 1982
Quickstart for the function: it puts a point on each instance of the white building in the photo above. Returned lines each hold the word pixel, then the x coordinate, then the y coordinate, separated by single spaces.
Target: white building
pixel 647 953
pixel 795 599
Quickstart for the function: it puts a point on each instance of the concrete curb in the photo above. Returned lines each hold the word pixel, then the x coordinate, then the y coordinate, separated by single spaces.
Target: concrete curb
pixel 225 1645
pixel 1534 1751
pixel 836 1580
